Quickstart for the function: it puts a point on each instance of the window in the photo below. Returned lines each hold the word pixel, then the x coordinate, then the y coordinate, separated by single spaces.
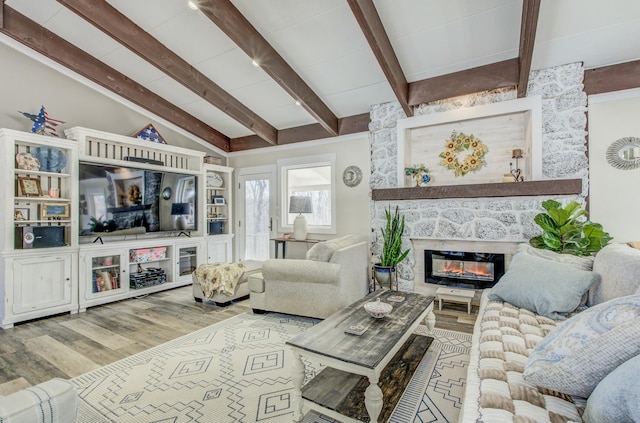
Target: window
pixel 312 177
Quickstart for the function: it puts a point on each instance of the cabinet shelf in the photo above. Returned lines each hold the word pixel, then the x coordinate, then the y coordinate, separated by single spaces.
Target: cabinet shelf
pixel 150 261
pixel 31 222
pixel 38 199
pixel 112 266
pixel 41 173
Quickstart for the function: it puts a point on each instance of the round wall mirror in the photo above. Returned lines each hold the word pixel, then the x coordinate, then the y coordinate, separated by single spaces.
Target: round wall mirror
pixel 624 153
pixel 166 193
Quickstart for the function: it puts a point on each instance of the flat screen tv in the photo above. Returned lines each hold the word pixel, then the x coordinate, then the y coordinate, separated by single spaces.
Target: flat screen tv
pixel 125 200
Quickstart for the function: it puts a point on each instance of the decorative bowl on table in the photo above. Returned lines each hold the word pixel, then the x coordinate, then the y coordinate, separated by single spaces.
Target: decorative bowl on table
pixel 378 309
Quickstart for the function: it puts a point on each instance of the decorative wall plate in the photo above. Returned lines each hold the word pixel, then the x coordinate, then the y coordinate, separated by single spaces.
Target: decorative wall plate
pixel 624 153
pixel 51 159
pixel 26 161
pixel 214 180
pixel 352 176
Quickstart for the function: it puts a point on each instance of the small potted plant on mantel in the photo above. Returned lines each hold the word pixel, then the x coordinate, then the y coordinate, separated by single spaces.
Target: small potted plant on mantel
pixel 392 254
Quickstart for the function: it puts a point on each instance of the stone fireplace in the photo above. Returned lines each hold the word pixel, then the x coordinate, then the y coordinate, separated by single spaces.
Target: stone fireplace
pixel 485 225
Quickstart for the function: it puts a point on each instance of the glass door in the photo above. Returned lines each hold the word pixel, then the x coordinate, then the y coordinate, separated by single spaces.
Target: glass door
pixel 256 211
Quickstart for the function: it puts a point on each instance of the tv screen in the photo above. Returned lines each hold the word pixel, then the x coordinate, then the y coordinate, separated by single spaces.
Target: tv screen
pixel 124 200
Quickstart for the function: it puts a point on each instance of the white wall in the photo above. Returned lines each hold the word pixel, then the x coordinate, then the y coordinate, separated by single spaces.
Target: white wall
pixel 26 84
pixel 352 203
pixel 614 198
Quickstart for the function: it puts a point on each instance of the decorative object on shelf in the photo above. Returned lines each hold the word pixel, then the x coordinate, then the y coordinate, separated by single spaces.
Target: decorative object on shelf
pixel 30 187
pixel 565 231
pixel 624 153
pixel 20 214
pixel 392 254
pixel 166 193
pixel 352 176
pixel 181 211
pixel 212 160
pixel 516 172
pixel 54 192
pixel 42 123
pixel 51 159
pixel 419 173
pixel 458 143
pixel 26 161
pixel 378 309
pixel 300 204
pixel 149 133
pixel 214 180
pixel 54 210
pixel 286 236
pixel 218 200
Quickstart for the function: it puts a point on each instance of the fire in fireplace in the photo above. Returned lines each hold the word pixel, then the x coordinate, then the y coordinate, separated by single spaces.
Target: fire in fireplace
pixel 464 269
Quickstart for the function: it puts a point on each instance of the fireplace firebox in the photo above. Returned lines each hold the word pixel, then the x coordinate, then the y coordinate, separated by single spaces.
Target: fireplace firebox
pixel 463 269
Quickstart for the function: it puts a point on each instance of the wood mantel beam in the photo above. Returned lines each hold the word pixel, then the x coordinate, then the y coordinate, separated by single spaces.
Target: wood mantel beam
pixel 113 23
pixel 528 26
pixel 45 42
pixel 371 25
pixel 229 19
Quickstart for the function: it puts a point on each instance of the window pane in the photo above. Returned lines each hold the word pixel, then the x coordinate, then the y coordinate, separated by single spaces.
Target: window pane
pixel 314 182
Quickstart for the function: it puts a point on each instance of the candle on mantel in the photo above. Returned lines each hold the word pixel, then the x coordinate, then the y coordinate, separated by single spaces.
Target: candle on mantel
pixel 516 154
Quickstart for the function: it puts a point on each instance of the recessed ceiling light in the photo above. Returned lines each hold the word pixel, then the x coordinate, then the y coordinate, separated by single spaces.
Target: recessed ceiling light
pixel 298 103
pixel 256 64
pixel 192 5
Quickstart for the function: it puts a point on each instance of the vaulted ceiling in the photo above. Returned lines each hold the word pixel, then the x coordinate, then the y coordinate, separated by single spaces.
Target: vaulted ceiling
pixel 245 74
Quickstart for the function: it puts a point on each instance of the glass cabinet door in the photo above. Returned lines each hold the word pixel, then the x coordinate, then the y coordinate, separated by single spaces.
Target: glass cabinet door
pixel 105 273
pixel 187 260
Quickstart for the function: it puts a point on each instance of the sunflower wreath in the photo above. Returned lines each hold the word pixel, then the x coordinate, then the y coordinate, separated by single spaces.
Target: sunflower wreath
pixel 458 143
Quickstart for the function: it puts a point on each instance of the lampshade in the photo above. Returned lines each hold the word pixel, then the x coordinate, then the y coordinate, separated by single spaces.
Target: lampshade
pixel 178 209
pixel 300 204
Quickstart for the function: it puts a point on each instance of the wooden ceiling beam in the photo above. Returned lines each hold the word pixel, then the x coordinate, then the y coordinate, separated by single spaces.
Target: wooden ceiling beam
pixel 528 27
pixel 113 23
pixel 482 78
pixel 371 25
pixel 623 76
pixel 229 19
pixel 45 42
pixel 349 125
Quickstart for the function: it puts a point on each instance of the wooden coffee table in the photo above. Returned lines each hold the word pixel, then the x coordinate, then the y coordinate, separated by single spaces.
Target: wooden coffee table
pixel 350 357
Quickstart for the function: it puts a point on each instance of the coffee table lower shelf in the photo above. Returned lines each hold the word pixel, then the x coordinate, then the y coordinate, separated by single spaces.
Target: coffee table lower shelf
pixel 343 392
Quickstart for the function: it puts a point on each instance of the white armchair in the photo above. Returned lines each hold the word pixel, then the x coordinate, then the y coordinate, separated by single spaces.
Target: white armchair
pixel 333 275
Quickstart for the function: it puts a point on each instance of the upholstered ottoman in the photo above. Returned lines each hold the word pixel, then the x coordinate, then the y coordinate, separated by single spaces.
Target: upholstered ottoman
pixel 241 291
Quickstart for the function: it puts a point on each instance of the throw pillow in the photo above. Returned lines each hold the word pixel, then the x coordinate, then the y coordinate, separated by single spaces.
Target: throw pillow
pixel 579 262
pixel 619 268
pixel 323 251
pixel 575 356
pixel 617 398
pixel 542 286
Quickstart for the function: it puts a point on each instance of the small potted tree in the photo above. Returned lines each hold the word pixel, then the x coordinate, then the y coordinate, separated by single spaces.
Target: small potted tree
pixel 392 253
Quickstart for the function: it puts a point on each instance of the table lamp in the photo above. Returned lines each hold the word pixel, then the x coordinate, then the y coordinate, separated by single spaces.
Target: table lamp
pixel 300 204
pixel 180 210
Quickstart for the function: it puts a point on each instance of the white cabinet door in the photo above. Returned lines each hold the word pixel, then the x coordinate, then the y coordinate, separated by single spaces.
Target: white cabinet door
pixel 219 250
pixel 41 282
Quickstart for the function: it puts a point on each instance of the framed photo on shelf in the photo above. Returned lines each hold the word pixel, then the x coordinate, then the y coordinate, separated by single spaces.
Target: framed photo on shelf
pixel 30 187
pixel 53 210
pixel 20 214
pixel 217 199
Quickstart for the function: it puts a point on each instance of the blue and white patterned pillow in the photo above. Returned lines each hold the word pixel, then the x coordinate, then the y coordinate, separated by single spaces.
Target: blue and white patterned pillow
pixel 582 351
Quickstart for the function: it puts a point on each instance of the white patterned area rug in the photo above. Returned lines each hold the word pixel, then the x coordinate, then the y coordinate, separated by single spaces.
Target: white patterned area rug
pixel 238 370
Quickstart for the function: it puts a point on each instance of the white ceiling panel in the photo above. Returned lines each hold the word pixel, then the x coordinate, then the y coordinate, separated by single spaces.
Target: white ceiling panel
pixel 232 70
pixel 149 14
pixel 359 101
pixel 216 119
pixel 132 65
pixel 38 11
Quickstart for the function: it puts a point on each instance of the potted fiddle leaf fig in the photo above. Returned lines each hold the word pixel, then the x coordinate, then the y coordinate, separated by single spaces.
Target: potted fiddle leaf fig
pixel 392 253
pixel 566 230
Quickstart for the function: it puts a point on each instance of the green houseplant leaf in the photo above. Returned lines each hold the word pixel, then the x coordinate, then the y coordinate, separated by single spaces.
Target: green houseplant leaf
pixel 565 231
pixel 392 253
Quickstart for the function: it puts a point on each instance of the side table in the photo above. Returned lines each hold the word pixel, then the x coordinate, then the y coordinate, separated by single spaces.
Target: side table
pixel 456 296
pixel 283 242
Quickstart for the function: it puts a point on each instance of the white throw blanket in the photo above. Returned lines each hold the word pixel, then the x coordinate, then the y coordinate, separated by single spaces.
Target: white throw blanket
pixel 219 278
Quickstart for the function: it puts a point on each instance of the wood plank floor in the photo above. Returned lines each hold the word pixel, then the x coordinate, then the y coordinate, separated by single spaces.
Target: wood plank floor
pixel 69 345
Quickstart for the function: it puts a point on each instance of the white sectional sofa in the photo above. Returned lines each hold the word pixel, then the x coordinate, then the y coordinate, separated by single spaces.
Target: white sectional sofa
pixel 525 367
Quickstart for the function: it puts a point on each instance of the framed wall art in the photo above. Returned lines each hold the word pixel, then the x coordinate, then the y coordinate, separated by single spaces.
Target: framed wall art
pixel 29 187
pixel 54 210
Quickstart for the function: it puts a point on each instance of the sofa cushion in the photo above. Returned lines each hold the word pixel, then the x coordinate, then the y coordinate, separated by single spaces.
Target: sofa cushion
pixel 256 282
pixel 619 268
pixel 617 398
pixel 323 251
pixel 549 288
pixel 53 401
pixel 580 352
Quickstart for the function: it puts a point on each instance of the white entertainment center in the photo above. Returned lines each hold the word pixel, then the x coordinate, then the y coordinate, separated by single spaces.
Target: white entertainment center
pixel 51 263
